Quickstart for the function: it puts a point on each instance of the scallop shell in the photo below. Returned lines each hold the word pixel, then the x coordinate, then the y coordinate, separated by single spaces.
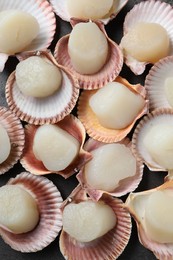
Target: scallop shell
pixel 111 245
pixel 91 123
pixel 46 110
pixel 161 251
pixel 127 185
pixel 16 135
pixel 60 8
pixel 43 12
pixel 109 71
pixel 158 116
pixel 151 11
pixel 155 82
pixel 74 127
pixel 169 176
pixel 49 202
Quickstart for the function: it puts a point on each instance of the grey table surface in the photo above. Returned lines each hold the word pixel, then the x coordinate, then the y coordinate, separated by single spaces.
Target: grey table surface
pixel 134 250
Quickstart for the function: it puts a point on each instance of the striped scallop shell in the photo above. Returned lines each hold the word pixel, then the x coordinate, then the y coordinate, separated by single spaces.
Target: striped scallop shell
pixel 40 111
pixel 91 123
pixel 74 127
pixel 150 11
pixel 16 135
pixel 43 12
pixel 125 186
pixel 155 83
pixel 157 117
pixel 109 246
pixel 49 201
pixel 160 250
pixel 109 71
pixel 60 8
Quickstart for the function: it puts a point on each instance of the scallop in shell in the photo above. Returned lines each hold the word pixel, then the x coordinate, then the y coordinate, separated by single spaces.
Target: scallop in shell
pixel 108 246
pixel 158 84
pixel 91 123
pixel 73 127
pixel 49 201
pixel 61 9
pixel 50 109
pixel 152 211
pixel 152 140
pixel 148 12
pixel 109 172
pixel 15 132
pixel 107 73
pixel 43 13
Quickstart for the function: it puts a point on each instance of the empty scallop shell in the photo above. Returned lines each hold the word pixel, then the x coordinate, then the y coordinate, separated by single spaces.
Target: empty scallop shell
pixel 109 246
pixel 151 11
pixel 109 71
pixel 74 127
pixel 91 123
pixel 43 12
pixel 60 8
pixel 126 185
pixel 155 83
pixel 40 111
pixel 157 117
pixel 135 204
pixel 16 135
pixel 49 201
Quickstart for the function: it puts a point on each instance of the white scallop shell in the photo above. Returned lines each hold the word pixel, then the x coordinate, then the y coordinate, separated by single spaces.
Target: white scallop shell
pixel 124 186
pixel 135 204
pixel 155 81
pixel 151 11
pixel 43 12
pixel 158 116
pixel 49 201
pixel 60 8
pixel 16 134
pixel 39 111
pixel 107 73
pixel 107 247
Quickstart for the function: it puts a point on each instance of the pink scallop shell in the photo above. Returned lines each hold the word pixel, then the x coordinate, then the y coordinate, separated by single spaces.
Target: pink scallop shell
pixel 60 8
pixel 43 12
pixel 161 251
pixel 158 116
pixel 49 201
pixel 108 73
pixel 16 134
pixel 151 11
pixel 51 109
pixel 111 245
pixel 125 185
pixel 91 123
pixel 154 83
pixel 74 127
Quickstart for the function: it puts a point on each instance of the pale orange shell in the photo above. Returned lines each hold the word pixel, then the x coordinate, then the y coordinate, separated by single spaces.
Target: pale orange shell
pixel 91 123
pixel 48 110
pixel 49 201
pixel 159 116
pixel 150 11
pixel 16 135
pixel 60 8
pixel 125 185
pixel 43 12
pixel 108 73
pixel 74 127
pixel 160 250
pixel 109 246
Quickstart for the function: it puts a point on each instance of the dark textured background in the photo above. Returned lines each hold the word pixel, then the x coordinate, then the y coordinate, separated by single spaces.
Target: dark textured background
pixel 134 250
